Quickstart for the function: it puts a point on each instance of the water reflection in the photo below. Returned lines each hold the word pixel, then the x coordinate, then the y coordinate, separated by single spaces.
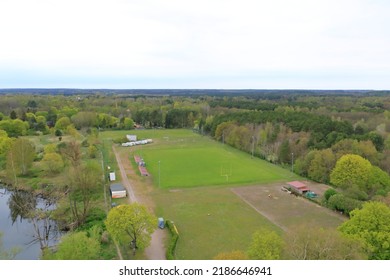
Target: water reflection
pixel 25 220
pixel 21 204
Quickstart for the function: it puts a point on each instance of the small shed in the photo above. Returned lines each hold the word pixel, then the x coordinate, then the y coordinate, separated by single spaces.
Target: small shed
pixel 298 187
pixel 112 176
pixel 117 190
pixel 131 138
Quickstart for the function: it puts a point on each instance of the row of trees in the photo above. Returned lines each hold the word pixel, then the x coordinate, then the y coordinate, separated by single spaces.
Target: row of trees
pixel 174 118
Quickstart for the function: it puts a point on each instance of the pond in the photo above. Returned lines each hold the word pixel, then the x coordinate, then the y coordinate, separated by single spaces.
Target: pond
pixel 21 229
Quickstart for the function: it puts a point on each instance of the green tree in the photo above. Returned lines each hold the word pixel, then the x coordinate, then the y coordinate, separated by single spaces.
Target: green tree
pixel 106 121
pixel 378 182
pixel 5 146
pixel 85 180
pixel 53 163
pixel 77 246
pixel 321 165
pixel 351 170
pixel 223 130
pixel 62 123
pixel 41 124
pixel 14 128
pixel 377 140
pixel 50 148
pixel 371 224
pixel 265 245
pixel 131 224
pixel 13 115
pixel 20 157
pixel 302 165
pixel 285 152
pixel 128 124
pixel 84 119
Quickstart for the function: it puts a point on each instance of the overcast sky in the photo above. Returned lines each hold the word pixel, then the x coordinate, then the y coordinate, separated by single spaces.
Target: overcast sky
pixel 223 44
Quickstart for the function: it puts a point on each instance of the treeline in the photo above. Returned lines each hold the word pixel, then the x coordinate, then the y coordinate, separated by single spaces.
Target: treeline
pixel 324 131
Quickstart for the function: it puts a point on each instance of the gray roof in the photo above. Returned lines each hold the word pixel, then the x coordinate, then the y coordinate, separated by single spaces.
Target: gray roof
pixel 117 187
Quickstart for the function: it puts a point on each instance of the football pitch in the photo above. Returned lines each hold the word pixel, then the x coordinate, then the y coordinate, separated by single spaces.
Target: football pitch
pixel 182 159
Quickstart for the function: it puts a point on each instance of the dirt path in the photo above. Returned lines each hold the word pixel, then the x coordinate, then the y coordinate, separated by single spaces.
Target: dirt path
pixel 156 250
pixel 125 180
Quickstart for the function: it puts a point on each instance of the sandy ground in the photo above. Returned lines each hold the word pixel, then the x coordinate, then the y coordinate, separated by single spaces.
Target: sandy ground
pixel 156 250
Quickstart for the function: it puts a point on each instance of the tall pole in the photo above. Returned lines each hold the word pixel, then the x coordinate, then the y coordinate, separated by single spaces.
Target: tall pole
pixel 159 173
pixel 253 144
pixel 292 162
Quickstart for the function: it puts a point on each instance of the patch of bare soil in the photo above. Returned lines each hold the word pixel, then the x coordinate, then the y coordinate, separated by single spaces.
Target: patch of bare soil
pixel 286 210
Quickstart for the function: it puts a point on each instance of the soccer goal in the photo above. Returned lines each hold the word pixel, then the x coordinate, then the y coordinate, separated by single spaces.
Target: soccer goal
pixel 226 170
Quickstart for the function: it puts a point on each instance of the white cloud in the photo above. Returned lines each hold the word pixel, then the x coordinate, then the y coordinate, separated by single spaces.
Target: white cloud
pixel 182 40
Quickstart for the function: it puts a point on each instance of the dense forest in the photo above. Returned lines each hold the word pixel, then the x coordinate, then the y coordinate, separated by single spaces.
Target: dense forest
pixel 311 129
pixel 341 138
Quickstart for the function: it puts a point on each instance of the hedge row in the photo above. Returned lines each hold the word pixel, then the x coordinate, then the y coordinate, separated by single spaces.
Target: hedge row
pixel 172 244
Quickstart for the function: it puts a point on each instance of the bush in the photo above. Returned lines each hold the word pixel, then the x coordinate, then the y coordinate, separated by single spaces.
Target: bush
pixel 58 132
pixel 120 140
pixel 172 244
pixel 344 204
pixel 329 193
pixel 96 217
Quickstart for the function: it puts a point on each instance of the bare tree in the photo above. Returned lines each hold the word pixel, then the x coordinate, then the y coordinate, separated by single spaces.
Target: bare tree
pixel 72 151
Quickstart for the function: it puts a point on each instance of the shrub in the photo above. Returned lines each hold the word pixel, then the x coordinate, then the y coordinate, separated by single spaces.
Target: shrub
pixel 344 204
pixel 172 243
pixel 329 193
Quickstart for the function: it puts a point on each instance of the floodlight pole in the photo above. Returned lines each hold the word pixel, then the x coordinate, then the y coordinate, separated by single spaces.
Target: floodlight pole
pixel 253 145
pixel 292 162
pixel 159 173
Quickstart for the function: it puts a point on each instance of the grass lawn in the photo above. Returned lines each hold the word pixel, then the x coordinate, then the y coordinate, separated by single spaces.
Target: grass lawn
pixel 209 221
pixel 181 158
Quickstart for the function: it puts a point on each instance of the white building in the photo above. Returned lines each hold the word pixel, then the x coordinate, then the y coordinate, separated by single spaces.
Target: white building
pixel 131 138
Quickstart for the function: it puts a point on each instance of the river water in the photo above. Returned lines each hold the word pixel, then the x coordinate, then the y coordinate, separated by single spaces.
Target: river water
pixel 18 231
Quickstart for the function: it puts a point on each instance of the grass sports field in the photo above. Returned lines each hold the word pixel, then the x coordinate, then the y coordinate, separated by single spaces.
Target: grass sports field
pixel 211 212
pixel 181 159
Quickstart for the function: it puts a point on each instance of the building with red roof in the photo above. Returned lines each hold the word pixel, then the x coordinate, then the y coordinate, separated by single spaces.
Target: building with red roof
pixel 298 187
